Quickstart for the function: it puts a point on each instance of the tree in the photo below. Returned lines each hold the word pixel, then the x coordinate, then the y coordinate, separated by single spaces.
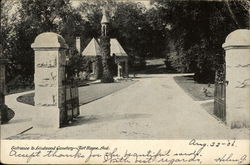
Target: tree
pixel 76 63
pixel 8 35
pixel 32 18
pixel 7 21
pixel 130 27
pixel 91 12
pixel 45 14
pixel 128 24
pixel 73 26
pixel 198 29
pixel 158 32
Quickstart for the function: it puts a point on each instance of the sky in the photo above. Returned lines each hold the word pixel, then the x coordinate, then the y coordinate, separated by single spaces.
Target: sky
pixel 75 3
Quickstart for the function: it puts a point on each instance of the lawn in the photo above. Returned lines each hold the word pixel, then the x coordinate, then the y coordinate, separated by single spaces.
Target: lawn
pixel 87 93
pixel 194 89
pixel 27 99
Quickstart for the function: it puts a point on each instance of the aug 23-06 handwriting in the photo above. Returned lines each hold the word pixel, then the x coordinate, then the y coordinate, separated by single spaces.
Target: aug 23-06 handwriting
pixel 192 153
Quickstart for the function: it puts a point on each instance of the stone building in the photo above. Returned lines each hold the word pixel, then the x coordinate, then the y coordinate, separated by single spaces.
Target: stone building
pixel 93 52
pixel 120 57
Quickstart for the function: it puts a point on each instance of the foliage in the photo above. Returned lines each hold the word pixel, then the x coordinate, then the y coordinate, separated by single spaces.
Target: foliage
pixel 8 34
pixel 44 15
pixel 128 24
pixel 7 21
pixel 76 63
pixel 31 18
pixel 198 48
pixel 98 67
pixel 107 75
pixel 91 12
pixel 130 27
pixel 188 33
pixel 36 16
pixel 158 32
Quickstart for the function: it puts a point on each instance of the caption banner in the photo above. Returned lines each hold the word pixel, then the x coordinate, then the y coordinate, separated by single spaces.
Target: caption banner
pixel 125 151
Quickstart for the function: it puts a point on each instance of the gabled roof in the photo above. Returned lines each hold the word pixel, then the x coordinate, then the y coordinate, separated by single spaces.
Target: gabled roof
pixel 92 49
pixel 116 48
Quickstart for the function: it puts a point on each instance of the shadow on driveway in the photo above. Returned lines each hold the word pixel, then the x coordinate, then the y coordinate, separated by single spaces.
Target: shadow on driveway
pixel 90 119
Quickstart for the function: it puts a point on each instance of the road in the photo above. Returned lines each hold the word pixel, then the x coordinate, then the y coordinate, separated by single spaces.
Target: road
pixel 155 107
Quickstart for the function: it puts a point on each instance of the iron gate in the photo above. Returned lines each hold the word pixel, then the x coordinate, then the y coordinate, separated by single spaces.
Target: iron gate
pixel 71 100
pixel 220 93
pixel 71 96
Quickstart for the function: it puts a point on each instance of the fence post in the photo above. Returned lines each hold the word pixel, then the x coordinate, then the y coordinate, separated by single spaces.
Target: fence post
pixel 237 47
pixel 50 60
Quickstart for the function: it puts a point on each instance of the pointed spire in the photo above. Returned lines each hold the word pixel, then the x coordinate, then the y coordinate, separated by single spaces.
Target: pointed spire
pixel 104 22
pixel 105 19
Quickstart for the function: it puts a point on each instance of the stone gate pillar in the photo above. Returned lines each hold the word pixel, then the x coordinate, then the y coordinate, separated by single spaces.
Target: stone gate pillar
pixel 50 60
pixel 237 47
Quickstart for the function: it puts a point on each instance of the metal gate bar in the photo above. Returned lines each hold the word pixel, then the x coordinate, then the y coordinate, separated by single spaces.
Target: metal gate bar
pixel 220 94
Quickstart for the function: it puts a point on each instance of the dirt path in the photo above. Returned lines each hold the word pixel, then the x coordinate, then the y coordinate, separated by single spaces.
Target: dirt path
pixel 153 108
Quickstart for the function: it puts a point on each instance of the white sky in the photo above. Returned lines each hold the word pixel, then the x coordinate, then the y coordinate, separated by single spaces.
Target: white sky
pixel 75 3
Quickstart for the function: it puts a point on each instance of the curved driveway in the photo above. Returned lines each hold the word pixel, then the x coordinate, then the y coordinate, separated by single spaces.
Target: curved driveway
pixel 22 119
pixel 153 108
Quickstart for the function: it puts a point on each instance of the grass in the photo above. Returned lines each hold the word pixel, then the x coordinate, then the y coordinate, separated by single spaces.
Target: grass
pixel 194 89
pixel 87 93
pixel 209 107
pixel 27 99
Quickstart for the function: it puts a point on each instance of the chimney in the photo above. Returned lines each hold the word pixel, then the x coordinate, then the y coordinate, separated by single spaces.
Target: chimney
pixel 78 44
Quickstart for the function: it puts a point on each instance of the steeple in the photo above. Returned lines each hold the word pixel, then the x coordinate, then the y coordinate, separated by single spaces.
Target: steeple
pixel 104 22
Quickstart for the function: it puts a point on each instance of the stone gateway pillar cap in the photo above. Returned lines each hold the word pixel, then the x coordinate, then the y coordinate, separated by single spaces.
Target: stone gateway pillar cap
pixel 49 40
pixel 237 39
